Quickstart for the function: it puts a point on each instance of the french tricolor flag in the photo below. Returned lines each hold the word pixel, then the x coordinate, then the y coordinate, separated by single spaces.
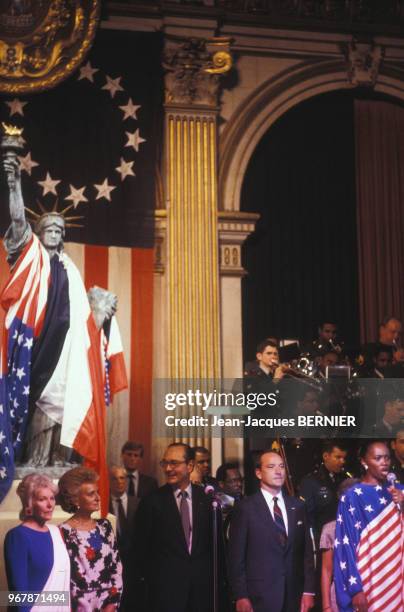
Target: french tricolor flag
pixel 86 370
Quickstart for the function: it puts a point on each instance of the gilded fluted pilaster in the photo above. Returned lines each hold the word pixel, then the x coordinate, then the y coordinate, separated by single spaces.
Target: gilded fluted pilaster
pixel 192 83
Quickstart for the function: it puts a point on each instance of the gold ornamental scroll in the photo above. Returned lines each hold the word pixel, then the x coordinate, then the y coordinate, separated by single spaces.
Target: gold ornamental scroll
pixel 193 68
pixel 43 41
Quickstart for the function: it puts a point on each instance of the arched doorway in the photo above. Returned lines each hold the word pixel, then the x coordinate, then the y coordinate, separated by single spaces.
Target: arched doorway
pixel 302 261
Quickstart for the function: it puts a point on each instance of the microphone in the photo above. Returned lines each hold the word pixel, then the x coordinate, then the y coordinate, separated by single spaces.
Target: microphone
pixel 392 479
pixel 223 500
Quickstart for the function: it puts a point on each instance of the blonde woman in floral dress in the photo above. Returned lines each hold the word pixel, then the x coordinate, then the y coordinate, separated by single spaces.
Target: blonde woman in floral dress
pixel 96 570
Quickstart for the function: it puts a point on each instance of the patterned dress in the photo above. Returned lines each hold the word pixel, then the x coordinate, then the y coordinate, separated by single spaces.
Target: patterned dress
pixel 369 549
pixel 96 569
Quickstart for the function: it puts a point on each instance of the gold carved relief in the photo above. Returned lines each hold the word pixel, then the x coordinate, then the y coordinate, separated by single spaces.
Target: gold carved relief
pixel 192 69
pixel 43 41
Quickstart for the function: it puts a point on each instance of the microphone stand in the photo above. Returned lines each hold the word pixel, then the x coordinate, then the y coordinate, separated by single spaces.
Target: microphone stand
pixel 215 511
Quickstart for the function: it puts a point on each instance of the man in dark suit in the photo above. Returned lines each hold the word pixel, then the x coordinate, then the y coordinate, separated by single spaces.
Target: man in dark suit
pixel 271 559
pixel 124 506
pixel 173 539
pixel 138 484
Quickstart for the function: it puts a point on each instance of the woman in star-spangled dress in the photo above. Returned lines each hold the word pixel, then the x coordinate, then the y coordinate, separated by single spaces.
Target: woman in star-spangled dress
pixel 368 547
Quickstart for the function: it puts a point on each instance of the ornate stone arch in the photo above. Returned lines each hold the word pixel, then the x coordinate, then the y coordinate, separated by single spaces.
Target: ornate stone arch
pixel 275 97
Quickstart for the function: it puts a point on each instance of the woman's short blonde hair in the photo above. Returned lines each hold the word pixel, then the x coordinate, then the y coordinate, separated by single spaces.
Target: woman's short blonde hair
pixel 69 486
pixel 27 490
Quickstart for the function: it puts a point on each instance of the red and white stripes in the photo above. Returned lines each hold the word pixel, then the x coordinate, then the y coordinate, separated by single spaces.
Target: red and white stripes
pixel 380 561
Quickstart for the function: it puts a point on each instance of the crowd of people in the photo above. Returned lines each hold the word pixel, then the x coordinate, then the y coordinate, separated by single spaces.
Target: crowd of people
pixel 334 545
pixel 304 524
pixel 331 377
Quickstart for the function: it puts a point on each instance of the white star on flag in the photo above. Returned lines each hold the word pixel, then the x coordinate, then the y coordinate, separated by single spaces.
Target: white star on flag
pixel 87 72
pixel 2 437
pixel 383 501
pixel 336 543
pixel 130 110
pixel 345 539
pixel 20 339
pixel 27 163
pixel 378 488
pixel 76 195
pixel 358 491
pixel 20 373
pixel 1 409
pixel 16 107
pixel 6 451
pixel 125 169
pixel 28 342
pixel 134 140
pixel 48 185
pixel 339 519
pixel 369 508
pixel 342 565
pixel 3 472
pixel 342 498
pixel 352 580
pixel 358 525
pixel 112 85
pixel 15 403
pixel 12 413
pixel 351 509
pixel 15 334
pixel 104 190
pixel 26 390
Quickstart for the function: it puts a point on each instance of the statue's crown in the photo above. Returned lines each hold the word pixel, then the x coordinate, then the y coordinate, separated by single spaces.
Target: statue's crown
pixel 59 218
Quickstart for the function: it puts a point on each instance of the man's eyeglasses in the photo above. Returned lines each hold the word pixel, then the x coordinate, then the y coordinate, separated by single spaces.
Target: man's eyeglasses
pixel 171 464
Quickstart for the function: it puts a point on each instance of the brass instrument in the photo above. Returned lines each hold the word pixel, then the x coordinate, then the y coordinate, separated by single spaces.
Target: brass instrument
pixel 304 370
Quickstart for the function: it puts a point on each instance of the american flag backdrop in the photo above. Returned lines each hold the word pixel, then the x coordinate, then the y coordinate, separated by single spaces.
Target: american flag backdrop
pixel 368 549
pixel 92 143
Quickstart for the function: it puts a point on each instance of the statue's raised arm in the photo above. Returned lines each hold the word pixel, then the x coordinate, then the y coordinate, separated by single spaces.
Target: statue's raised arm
pixel 19 232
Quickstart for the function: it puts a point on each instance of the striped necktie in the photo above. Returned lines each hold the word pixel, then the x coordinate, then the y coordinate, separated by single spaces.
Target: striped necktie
pixel 185 517
pixel 280 523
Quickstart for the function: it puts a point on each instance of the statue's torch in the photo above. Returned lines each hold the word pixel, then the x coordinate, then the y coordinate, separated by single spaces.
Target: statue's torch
pixel 12 144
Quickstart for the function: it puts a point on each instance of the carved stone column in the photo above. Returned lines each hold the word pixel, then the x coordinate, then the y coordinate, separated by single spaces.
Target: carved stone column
pixel 193 67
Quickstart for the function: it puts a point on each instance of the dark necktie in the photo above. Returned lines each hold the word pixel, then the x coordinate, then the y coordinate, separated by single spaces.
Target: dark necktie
pixel 185 518
pixel 131 487
pixel 280 523
pixel 121 517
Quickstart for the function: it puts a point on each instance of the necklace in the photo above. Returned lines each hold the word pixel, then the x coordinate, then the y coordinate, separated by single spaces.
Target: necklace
pixel 83 525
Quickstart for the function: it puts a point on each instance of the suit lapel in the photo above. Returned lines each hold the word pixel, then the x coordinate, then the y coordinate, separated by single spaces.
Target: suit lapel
pixel 267 519
pixel 265 513
pixel 140 485
pixel 174 517
pixel 132 506
pixel 291 512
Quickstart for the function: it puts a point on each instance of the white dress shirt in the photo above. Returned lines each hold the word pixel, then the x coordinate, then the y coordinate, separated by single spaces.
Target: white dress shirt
pixel 124 500
pixel 269 498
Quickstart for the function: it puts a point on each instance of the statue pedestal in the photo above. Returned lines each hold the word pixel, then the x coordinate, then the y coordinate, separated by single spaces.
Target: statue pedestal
pixel 9 517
